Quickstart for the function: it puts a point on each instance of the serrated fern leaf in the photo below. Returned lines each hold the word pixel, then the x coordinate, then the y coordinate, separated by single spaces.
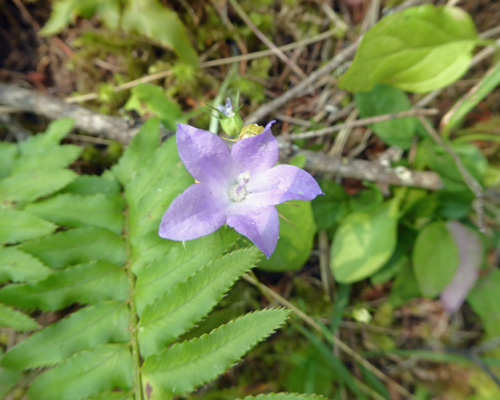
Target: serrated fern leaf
pixel 104 368
pixel 55 132
pixel 284 396
pixel 187 365
pixel 10 318
pixel 84 283
pixel 104 322
pixel 17 266
pixel 188 302
pixel 141 149
pixel 177 265
pixel 25 187
pixel 8 379
pixel 55 157
pixel 17 226
pixel 78 211
pixel 78 246
pixel 93 184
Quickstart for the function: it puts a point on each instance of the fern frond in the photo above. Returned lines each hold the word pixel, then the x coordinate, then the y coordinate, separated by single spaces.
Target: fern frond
pixel 188 302
pixel 93 184
pixel 187 365
pixel 8 154
pixel 84 283
pixel 78 246
pixel 104 368
pixel 17 226
pixel 104 322
pixel 17 266
pixel 11 318
pixel 56 131
pixel 55 157
pixel 78 211
pixel 26 187
pixel 8 379
pixel 160 275
pixel 139 151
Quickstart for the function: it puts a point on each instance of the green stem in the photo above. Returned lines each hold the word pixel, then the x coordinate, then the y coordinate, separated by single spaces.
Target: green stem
pixel 134 338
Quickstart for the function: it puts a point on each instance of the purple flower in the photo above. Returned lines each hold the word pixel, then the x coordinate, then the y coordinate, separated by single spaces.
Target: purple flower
pixel 237 187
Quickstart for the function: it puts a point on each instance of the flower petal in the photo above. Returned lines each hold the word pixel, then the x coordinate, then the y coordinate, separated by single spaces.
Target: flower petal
pixel 261 226
pixel 282 183
pixel 256 153
pixel 205 155
pixel 194 213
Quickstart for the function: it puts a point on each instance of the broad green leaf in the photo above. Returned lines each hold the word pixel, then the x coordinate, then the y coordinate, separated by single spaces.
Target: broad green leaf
pixel 66 11
pixel 84 283
pixel 435 258
pixel 147 98
pixel 11 318
pixel 404 288
pixel 28 186
pixel 188 302
pixel 16 226
pixel 92 184
pixel 283 396
pixel 8 154
pixel 364 242
pixel 329 209
pixel 384 99
pixel 296 237
pixel 79 211
pixel 139 152
pixel 483 299
pixel 17 266
pixel 106 367
pixel 53 157
pixel 187 365
pixel 419 50
pixel 157 277
pixel 366 199
pixel 8 379
pixel 55 132
pixel 112 396
pixel 78 246
pixel 104 322
pixel 487 84
pixel 150 18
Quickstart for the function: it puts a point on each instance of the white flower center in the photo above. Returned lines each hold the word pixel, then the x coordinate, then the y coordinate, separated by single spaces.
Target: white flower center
pixel 237 191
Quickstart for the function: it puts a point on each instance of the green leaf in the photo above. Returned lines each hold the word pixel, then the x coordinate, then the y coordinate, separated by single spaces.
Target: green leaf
pixel 104 322
pixel 483 299
pixel 487 84
pixel 364 242
pixel 55 132
pixel 405 287
pixel 53 157
pixel 420 49
pixel 188 302
pixel 384 99
pixel 283 396
pixel 78 246
pixel 106 367
pixel 28 186
pixel 16 226
pixel 93 184
pixel 150 18
pixel 139 152
pixel 159 276
pixel 8 154
pixel 187 365
pixel 84 283
pixel 17 266
pixel 11 318
pixel 435 258
pixel 329 209
pixel 296 237
pixel 79 211
pixel 147 98
pixel 66 11
pixel 112 396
